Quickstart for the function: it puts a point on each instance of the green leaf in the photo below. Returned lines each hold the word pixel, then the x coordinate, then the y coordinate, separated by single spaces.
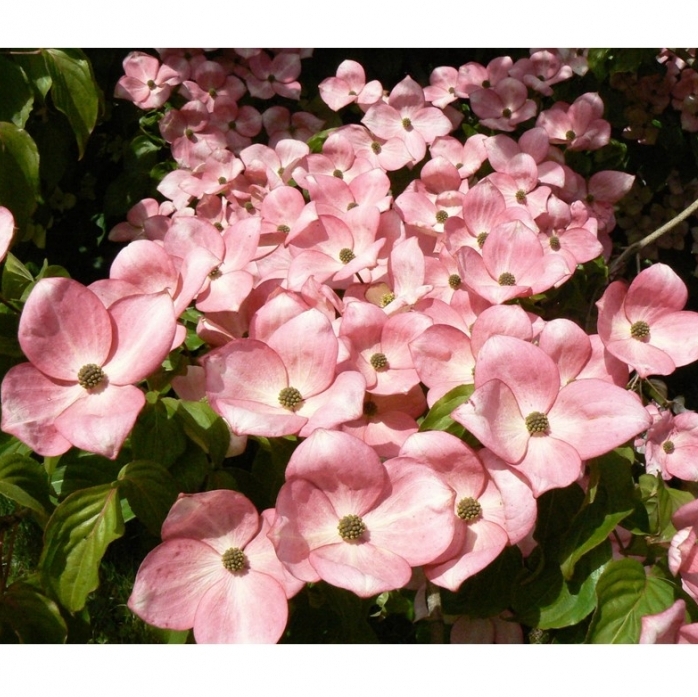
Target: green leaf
pixel 17 97
pixel 439 416
pixel 556 511
pixel 9 445
pixel 77 536
pixel 546 600
pixel 150 491
pixel 157 435
pixel 203 426
pixel 29 617
pixel 24 481
pixel 34 66
pixel 74 91
pixel 19 172
pixel 614 500
pixel 16 278
pixel 78 470
pixel 625 594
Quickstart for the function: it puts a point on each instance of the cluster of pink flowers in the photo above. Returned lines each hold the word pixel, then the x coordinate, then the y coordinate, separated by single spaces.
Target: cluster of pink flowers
pixel 329 305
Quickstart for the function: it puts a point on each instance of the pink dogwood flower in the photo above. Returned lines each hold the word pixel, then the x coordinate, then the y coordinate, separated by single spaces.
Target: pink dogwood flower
pixel 645 326
pixel 147 82
pixel 78 388
pixel 7 230
pixel 669 627
pixel 215 572
pixel 348 86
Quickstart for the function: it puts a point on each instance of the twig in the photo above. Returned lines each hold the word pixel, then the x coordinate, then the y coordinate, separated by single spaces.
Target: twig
pixel 652 237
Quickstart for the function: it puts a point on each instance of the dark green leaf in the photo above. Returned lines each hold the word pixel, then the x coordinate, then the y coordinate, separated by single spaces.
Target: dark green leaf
pixel 78 470
pixel 25 482
pixel 17 97
pixel 77 536
pixel 34 66
pixel 74 91
pixel 439 416
pixel 157 435
pixel 626 594
pixel 19 172
pixel 556 511
pixel 30 617
pixel 203 426
pixel 15 278
pixel 150 490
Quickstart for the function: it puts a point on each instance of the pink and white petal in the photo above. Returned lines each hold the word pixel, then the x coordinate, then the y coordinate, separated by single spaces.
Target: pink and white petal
pixel 442 354
pixel 361 568
pixel 245 608
pixel 595 417
pixel 7 230
pixel 226 293
pixel 549 463
pixel 341 402
pixel 492 415
pixel 568 345
pixel 31 402
pixel 171 581
pixel 642 357
pixel 63 327
pixel 654 293
pixel 143 331
pixel 100 422
pixel 613 325
pixel 677 335
pixel 520 510
pixel 663 627
pixel 221 518
pixel 257 418
pixel 344 467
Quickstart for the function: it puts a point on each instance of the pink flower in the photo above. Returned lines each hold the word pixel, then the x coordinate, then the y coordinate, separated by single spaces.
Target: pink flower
pixel 349 86
pixel 683 550
pixel 644 325
pixel 520 412
pixel 215 571
pixel 580 125
pixel 78 387
pixel 7 230
pixel 503 106
pixel 344 517
pixel 147 83
pixel 669 627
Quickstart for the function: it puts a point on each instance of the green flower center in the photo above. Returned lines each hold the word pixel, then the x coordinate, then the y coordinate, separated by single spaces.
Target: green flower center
pixel 222 180
pixel 468 509
pixel 346 255
pixel 351 527
pixel 555 243
pixel 376 147
pixel 668 447
pixel 151 84
pixel 290 398
pixel 215 273
pixel 506 113
pixel 338 173
pixel 351 205
pixel 481 239
pixel 379 361
pixel 283 228
pixel 407 124
pixel 570 136
pixel 537 424
pixel 189 133
pixel 506 279
pixel 441 217
pixel 90 375
pixel 387 299
pixel 521 196
pixel 640 330
pixel 454 280
pixel 234 559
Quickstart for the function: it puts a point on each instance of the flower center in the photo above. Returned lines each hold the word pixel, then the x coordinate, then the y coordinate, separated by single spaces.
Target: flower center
pixel 290 398
pixel 351 205
pixel 506 279
pixel 90 375
pixel 468 509
pixel 189 133
pixel 151 84
pixel 370 408
pixel 481 239
pixel 283 228
pixel 537 424
pixel 454 280
pixel 570 136
pixel 387 299
pixel 379 361
pixel 338 173
pixel 222 180
pixel 441 217
pixel 407 124
pixel 521 196
pixel 346 255
pixel 555 243
pixel 351 527
pixel 215 273
pixel 668 447
pixel 506 113
pixel 376 147
pixel 640 330
pixel 234 559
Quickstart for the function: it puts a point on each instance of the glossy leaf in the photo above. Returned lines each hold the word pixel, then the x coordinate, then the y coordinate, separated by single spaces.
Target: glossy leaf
pixel 74 91
pixel 626 594
pixel 19 172
pixel 76 538
pixel 36 70
pixel 439 416
pixel 150 491
pixel 29 617
pixel 24 481
pixel 16 96
pixel 203 426
pixel 157 435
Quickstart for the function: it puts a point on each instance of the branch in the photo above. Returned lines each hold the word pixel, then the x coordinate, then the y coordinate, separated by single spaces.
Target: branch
pixel 652 237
